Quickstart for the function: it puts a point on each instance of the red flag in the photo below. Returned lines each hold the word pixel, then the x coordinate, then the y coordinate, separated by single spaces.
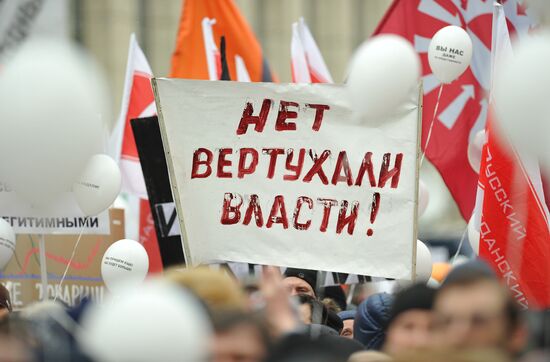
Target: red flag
pixel 137 101
pixel 514 236
pixel 511 214
pixel 463 106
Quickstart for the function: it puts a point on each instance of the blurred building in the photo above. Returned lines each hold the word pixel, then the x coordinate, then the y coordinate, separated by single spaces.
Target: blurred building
pixel 339 26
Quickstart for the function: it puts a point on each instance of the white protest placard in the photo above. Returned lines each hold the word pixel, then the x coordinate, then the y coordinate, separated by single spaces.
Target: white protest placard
pixel 288 175
pixel 62 217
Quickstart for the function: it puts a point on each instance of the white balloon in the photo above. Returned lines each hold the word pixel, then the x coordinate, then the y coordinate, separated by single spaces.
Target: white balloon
pixel 423 198
pixel 98 186
pixel 474 150
pixel 383 72
pixel 124 265
pixel 156 322
pixel 423 262
pixel 53 97
pixel 7 243
pixel 521 88
pixel 473 235
pixel 450 53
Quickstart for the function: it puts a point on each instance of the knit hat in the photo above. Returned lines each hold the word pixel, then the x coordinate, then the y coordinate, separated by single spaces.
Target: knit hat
pixel 308 276
pixel 417 296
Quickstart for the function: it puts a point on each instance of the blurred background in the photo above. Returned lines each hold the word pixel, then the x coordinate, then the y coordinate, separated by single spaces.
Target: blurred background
pixel 103 27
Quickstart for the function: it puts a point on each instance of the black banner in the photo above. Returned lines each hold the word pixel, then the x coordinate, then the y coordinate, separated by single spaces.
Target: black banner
pixel 155 171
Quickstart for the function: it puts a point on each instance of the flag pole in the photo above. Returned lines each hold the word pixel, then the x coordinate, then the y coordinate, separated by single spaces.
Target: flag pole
pixel 43 269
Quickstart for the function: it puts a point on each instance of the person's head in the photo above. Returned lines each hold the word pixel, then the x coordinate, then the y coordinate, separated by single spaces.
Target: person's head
pixel 370 320
pixel 410 323
pixel 332 305
pixel 216 289
pixel 473 310
pixel 437 355
pixel 239 337
pixel 300 281
pixel 369 356
pixel 5 302
pixel 348 318
pixel 336 294
pixel 17 340
pixel 312 311
pixel 313 348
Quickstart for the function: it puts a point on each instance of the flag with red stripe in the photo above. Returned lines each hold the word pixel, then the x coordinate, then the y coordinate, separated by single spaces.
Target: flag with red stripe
pixel 137 101
pixel 307 63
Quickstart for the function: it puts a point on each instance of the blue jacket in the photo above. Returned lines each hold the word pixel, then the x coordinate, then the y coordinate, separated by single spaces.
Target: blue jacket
pixel 371 320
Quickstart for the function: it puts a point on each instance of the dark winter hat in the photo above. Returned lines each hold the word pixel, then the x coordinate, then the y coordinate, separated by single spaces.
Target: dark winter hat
pixel 336 293
pixel 417 296
pixel 473 270
pixel 309 276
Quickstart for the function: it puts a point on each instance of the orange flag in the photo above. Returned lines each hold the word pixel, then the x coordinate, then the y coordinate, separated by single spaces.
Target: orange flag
pixel 202 24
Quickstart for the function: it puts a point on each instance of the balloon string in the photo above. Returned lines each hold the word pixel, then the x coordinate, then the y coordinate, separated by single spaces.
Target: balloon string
pixel 431 125
pixel 460 245
pixel 70 261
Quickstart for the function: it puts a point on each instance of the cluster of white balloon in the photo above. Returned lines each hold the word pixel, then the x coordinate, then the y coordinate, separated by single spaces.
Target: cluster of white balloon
pixel 50 137
pixel 125 263
pixel 374 95
pixel 47 146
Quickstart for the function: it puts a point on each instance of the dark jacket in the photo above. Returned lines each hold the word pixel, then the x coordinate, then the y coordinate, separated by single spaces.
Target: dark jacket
pixel 371 320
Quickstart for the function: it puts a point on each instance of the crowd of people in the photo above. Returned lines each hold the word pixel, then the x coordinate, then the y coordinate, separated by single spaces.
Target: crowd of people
pixel 206 314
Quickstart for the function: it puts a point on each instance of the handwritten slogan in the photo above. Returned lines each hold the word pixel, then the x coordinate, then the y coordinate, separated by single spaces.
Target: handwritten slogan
pixel 288 175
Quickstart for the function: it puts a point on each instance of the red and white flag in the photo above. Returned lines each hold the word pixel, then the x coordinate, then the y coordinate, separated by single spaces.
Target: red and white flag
pixel 463 106
pixel 307 63
pixel 137 101
pixel 511 214
pixel 213 55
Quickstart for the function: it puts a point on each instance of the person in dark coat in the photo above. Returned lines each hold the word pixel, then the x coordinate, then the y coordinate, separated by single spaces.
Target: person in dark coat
pixel 371 319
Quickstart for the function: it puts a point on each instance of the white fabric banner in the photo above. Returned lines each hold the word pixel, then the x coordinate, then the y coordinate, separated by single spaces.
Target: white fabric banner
pixel 288 175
